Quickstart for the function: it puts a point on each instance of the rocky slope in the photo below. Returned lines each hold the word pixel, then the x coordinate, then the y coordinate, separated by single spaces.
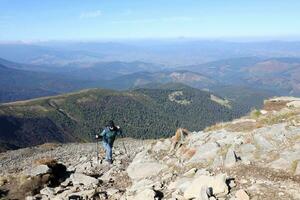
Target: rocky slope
pixel 255 157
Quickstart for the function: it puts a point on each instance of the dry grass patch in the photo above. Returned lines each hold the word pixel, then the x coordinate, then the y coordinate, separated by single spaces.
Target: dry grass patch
pixel 223 150
pixel 255 114
pixel 46 161
pixel 274 105
pixel 215 127
pixel 49 146
pixel 246 126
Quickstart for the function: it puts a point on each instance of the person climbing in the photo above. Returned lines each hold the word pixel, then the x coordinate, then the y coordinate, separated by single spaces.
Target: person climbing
pixel 108 137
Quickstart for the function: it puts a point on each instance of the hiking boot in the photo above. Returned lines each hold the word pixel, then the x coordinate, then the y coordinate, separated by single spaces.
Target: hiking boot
pixel 109 161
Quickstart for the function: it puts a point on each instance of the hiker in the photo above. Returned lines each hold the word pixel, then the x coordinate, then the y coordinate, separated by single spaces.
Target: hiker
pixel 108 136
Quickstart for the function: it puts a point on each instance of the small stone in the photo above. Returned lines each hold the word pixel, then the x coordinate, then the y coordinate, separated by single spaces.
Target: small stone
pixel 3 181
pixel 241 195
pixel 281 194
pixel 232 184
pixel 243 181
pixel 49 192
pixel 66 183
pixel 112 191
pixel 190 173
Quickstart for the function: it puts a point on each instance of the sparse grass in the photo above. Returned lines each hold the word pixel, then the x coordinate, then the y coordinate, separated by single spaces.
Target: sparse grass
pixel 224 149
pixel 246 126
pixel 255 114
pixel 279 118
pixel 215 127
pixel 49 146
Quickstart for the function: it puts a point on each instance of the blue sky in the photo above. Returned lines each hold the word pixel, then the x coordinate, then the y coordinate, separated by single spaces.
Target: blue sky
pixel 109 19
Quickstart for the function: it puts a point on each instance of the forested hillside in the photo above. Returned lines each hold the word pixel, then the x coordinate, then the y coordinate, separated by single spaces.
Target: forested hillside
pixel 143 113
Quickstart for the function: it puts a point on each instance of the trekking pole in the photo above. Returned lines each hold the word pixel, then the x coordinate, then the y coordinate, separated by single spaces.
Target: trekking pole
pixel 124 148
pixel 97 153
pixel 124 143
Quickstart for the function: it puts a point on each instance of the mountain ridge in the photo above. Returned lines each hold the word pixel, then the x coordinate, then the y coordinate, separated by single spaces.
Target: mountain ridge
pixel 75 116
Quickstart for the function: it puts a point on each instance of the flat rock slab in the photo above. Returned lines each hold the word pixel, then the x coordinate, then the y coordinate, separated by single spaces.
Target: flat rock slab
pixel 38 170
pixel 79 178
pixel 205 152
pixel 143 170
pixel 263 143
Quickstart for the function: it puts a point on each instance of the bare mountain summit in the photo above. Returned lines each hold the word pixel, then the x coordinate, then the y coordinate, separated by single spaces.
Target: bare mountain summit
pixel 254 157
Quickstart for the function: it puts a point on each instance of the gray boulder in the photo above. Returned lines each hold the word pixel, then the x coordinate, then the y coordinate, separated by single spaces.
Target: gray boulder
pixel 78 179
pixel 144 169
pixel 217 183
pixel 263 144
pixel 38 170
pixel 230 159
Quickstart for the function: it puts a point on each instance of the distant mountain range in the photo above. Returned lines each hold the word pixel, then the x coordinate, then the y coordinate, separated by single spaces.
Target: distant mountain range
pixel 144 113
pixel 112 75
pixel 281 75
pixel 176 52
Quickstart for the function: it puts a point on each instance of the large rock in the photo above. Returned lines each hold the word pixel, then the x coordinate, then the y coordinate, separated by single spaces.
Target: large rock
pixel 180 184
pixel 263 143
pixel 217 183
pixel 280 164
pixel 241 195
pixel 78 179
pixel 247 148
pixel 205 152
pixel 38 170
pixel 140 185
pixel 162 145
pixel 144 169
pixel 147 194
pixel 294 104
pixel 230 159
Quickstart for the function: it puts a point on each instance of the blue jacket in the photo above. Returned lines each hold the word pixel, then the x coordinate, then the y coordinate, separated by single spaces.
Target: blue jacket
pixel 109 136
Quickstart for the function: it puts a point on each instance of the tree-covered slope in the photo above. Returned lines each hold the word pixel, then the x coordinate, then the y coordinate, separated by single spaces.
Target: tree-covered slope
pixel 143 113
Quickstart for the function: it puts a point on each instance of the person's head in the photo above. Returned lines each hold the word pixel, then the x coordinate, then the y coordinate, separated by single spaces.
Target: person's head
pixel 111 125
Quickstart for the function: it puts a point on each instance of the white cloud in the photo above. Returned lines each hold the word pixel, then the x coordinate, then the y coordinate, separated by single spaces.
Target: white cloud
pixel 90 14
pixel 134 21
pixel 154 20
